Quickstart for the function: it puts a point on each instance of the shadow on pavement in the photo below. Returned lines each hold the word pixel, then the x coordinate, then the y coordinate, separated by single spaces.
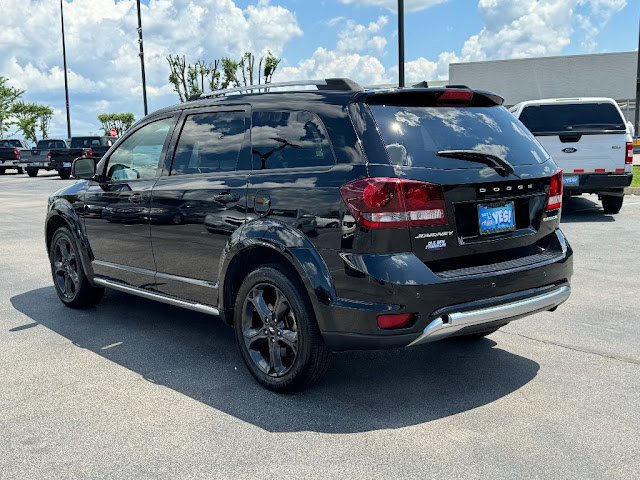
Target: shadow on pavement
pixel 584 209
pixel 196 355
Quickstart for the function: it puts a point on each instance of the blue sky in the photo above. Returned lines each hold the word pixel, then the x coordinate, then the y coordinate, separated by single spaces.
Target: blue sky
pixel 355 38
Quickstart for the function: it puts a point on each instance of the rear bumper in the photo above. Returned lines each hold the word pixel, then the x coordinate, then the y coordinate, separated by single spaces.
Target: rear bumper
pixel 451 323
pixel 600 182
pixel 442 307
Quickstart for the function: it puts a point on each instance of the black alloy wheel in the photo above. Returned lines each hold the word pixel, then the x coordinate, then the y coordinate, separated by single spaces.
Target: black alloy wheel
pixel 65 268
pixel 69 279
pixel 277 332
pixel 270 330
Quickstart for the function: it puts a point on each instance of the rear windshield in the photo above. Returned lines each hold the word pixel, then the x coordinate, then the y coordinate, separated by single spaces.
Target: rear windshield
pixel 43 144
pixel 414 135
pixel 86 142
pixel 10 143
pixel 572 117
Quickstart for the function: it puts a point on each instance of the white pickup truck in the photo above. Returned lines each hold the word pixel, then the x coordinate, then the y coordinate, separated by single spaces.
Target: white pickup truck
pixel 589 139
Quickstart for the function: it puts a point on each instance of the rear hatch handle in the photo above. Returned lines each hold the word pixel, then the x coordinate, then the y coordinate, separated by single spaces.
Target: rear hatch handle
pixel 500 165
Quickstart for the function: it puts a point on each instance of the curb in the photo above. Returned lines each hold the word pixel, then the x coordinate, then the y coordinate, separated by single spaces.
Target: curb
pixel 632 191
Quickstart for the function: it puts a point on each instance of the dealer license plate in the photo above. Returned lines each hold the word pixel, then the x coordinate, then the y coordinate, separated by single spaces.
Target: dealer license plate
pixel 496 218
pixel 66 164
pixel 571 180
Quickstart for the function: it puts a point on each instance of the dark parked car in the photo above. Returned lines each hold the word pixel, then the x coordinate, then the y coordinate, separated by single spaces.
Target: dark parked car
pixel 39 158
pixel 439 217
pixel 11 152
pixel 89 146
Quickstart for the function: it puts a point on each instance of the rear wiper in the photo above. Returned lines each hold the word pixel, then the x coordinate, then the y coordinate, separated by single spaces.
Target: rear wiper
pixel 500 165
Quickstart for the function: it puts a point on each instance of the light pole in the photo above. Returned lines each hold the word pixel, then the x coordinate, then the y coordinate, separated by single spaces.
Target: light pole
pixel 66 82
pixel 144 81
pixel 637 111
pixel 401 43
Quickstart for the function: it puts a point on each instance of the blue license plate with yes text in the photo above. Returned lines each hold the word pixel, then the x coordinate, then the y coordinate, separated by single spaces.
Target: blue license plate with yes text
pixel 496 218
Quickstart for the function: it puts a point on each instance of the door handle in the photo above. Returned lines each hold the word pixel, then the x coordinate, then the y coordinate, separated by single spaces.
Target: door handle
pixel 136 198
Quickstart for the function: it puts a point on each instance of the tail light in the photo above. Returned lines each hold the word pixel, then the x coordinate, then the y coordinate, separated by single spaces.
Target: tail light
pixel 88 152
pixel 49 156
pixel 628 158
pixel 394 202
pixel 16 153
pixel 455 98
pixel 554 200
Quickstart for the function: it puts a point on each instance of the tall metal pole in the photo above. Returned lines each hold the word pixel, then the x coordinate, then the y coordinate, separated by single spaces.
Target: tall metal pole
pixel 401 43
pixel 144 81
pixel 637 112
pixel 66 81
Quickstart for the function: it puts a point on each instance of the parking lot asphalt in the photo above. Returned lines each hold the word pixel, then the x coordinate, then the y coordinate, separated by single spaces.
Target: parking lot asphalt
pixel 135 389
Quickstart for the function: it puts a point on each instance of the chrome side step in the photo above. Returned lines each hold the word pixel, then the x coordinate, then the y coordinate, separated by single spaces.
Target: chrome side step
pixel 447 325
pixel 196 307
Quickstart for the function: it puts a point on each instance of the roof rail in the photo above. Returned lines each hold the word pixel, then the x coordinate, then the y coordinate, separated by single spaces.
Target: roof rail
pixel 344 84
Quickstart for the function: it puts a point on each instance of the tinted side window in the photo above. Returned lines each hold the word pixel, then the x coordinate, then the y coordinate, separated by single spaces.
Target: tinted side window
pixel 138 156
pixel 289 140
pixel 209 142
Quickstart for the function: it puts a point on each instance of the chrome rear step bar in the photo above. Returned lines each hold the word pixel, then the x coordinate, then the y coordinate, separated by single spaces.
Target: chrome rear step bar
pixel 452 323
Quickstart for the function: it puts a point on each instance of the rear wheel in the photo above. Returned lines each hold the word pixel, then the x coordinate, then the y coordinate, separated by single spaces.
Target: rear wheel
pixel 71 284
pixel 20 170
pixel 277 332
pixel 32 172
pixel 1 171
pixel 612 204
pixel 64 174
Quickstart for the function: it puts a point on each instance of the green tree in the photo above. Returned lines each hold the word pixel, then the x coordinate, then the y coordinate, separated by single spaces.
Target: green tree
pixel 190 80
pixel 8 96
pixel 120 121
pixel 31 117
pixel 270 65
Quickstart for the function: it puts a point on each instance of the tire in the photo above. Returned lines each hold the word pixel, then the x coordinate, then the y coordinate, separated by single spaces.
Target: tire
pixel 64 174
pixel 71 284
pixel 20 170
pixel 1 171
pixel 32 172
pixel 611 204
pixel 284 351
pixel 177 219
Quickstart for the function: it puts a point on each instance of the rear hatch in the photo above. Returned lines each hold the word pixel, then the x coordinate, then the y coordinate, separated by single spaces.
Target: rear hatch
pixel 582 137
pixel 485 178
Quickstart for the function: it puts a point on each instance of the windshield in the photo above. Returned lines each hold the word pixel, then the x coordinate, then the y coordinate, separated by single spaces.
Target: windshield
pixel 414 135
pixel 572 117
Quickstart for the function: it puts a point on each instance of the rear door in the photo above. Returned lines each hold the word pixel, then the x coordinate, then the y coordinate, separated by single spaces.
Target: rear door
pixel 584 137
pixel 200 200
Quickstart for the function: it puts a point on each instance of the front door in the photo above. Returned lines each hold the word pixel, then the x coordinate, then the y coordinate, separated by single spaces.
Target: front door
pixel 199 201
pixel 117 207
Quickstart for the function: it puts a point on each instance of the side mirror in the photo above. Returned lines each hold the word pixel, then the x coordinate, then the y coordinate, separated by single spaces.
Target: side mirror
pixel 84 168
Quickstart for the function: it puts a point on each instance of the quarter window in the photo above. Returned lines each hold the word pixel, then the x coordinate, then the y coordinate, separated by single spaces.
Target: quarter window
pixel 289 140
pixel 138 156
pixel 209 143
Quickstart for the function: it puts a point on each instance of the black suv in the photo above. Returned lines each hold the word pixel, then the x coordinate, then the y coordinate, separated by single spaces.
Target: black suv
pixel 320 220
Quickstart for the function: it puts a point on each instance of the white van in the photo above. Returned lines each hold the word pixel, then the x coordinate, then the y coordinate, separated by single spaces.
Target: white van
pixel 589 139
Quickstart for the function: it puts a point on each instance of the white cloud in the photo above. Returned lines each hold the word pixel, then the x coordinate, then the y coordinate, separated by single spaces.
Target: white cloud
pixel 392 5
pixel 102 48
pixel 526 28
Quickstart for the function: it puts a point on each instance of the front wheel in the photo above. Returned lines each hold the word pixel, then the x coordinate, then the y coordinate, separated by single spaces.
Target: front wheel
pixel 612 204
pixel 64 174
pixel 277 332
pixel 1 171
pixel 32 172
pixel 71 284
